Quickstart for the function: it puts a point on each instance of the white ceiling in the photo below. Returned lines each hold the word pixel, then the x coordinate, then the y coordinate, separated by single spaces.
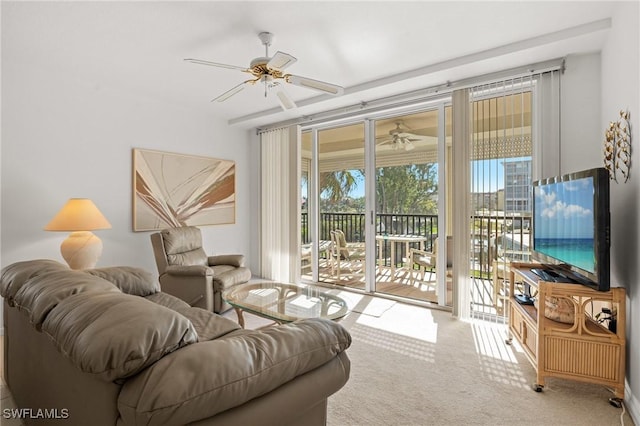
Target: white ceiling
pixel 371 48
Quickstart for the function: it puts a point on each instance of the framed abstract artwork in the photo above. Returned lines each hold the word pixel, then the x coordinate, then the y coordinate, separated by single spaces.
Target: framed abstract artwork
pixel 172 190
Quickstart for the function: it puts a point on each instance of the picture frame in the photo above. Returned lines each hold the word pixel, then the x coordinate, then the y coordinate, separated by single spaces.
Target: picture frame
pixel 172 190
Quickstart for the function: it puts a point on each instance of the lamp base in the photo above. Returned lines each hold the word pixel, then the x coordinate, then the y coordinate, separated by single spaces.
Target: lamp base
pixel 81 250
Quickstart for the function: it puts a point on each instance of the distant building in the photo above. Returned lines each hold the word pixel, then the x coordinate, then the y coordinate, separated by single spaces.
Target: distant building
pixel 517 187
pixel 515 197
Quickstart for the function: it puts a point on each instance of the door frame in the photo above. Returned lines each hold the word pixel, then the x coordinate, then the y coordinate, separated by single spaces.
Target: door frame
pixel 369 121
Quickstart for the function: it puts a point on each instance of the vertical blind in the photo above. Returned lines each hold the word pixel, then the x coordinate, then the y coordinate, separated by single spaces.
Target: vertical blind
pixel 280 209
pixel 515 139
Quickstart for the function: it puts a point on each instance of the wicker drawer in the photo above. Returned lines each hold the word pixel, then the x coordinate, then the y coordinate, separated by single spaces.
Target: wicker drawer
pixel 524 330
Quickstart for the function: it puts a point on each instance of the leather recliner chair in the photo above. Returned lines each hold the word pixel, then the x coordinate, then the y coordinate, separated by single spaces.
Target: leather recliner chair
pixel 188 273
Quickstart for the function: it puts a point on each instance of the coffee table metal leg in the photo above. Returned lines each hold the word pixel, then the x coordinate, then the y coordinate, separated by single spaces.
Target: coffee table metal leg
pixel 240 317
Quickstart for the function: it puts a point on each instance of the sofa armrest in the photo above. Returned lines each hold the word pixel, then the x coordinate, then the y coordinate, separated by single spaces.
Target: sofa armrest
pixel 185 270
pixel 231 371
pixel 236 260
pixel 193 284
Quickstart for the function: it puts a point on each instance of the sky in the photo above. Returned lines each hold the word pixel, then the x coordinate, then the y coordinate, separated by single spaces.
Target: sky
pixel 487 176
pixel 564 209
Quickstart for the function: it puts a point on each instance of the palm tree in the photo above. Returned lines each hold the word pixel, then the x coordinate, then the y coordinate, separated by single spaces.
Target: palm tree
pixel 338 184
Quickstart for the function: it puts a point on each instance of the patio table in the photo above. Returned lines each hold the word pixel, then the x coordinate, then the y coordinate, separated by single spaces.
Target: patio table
pixel 407 239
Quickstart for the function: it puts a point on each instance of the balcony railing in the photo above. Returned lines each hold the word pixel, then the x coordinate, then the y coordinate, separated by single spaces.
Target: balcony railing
pixel 492 236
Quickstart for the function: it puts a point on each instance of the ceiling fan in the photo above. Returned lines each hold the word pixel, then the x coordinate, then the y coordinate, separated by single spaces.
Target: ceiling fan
pixel 269 71
pixel 399 138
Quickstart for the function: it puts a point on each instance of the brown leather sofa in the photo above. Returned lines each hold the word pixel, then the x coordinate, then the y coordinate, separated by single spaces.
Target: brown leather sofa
pixel 106 347
pixel 189 274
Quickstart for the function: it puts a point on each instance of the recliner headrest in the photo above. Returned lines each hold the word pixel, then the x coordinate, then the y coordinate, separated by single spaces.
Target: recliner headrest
pixel 181 240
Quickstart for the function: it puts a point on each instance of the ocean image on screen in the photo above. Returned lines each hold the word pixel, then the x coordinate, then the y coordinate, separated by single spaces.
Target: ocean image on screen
pixel 564 222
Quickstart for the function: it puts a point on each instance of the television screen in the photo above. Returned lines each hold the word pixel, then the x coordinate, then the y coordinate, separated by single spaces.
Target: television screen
pixel 571 224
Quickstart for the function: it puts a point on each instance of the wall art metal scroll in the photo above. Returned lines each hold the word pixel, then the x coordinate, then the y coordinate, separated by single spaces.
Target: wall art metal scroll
pixel 173 190
pixel 617 147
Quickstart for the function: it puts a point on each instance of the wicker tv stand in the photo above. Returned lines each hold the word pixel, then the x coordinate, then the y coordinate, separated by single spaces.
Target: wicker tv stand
pixel 586 350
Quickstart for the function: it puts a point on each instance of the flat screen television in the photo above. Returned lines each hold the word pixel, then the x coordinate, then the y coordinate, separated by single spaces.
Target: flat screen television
pixel 571 227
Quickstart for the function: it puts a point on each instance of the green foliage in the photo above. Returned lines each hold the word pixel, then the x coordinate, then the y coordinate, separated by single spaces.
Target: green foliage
pixel 410 189
pixel 335 186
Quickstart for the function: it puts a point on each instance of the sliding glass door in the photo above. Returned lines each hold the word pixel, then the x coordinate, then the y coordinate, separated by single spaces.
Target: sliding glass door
pixel 401 209
pixel 408 195
pixel 335 164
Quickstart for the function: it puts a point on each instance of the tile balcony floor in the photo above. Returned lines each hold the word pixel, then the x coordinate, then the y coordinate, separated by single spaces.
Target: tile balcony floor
pixel 401 285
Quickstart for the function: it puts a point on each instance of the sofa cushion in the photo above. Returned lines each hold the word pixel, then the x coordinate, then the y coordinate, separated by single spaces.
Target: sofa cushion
pixel 41 294
pixel 168 301
pixel 130 280
pixel 112 335
pixel 15 275
pixel 175 391
pixel 208 325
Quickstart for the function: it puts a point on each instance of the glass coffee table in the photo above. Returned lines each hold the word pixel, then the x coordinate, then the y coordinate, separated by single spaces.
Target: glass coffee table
pixel 284 303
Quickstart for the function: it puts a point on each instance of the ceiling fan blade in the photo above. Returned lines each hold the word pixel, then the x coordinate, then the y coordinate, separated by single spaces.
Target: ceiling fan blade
pixel 216 64
pixel 281 61
pixel 285 101
pixel 411 137
pixel 309 83
pixel 229 93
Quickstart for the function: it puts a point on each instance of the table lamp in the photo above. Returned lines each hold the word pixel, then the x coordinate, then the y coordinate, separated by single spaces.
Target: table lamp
pixel 79 216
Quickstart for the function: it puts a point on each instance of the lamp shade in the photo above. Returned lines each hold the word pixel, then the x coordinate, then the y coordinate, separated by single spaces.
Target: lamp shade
pixel 78 214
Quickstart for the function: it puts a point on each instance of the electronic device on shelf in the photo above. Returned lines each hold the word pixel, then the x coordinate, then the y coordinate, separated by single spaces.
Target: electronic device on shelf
pixel 525 298
pixel 571 228
pixel 554 274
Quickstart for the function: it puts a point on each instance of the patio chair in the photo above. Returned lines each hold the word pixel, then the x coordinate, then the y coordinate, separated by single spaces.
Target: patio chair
pixel 345 254
pixel 426 260
pixel 305 254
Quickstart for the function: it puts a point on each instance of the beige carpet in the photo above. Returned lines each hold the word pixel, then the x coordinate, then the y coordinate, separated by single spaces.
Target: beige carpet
pixel 416 366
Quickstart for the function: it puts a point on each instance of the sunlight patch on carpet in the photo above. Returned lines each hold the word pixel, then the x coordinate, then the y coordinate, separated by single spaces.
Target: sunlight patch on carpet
pixel 405 320
pixel 374 307
pixel 394 342
pixel 495 356
pixel 489 340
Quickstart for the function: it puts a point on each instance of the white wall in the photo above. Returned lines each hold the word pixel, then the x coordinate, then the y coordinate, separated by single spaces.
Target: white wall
pixel 621 90
pixel 594 89
pixel 580 132
pixel 64 138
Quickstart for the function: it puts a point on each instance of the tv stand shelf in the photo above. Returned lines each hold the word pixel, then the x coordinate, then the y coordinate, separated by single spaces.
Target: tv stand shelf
pixel 585 349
